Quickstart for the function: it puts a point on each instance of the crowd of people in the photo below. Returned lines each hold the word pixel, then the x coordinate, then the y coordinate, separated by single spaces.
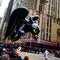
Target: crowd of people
pixel 15 55
pixel 13 51
pixel 10 51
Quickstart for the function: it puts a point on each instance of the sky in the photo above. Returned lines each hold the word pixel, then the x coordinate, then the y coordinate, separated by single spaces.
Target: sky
pixel 3 7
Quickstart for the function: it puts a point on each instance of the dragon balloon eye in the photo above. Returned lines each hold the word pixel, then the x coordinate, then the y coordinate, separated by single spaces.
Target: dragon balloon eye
pixel 34 30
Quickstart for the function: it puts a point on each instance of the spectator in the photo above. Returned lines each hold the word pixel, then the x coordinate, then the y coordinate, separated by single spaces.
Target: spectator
pixel 1 51
pixel 4 50
pixel 46 54
pixel 59 54
pixel 8 40
pixel 26 57
pixel 4 57
pixel 17 53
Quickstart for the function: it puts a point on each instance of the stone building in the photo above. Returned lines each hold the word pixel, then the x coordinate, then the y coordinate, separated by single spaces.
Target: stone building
pixel 50 20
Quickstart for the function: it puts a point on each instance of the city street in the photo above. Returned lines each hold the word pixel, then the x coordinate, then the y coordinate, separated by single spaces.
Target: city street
pixel 32 26
pixel 40 56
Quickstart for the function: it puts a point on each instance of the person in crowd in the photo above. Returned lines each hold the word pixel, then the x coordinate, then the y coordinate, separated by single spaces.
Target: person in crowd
pixel 8 40
pixel 17 53
pixel 1 50
pixel 46 53
pixel 26 57
pixel 4 57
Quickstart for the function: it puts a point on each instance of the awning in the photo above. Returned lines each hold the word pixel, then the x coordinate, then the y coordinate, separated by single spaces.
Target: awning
pixel 46 44
pixel 33 41
pixel 28 40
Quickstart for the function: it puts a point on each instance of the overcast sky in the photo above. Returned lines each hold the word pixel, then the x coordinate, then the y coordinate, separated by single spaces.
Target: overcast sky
pixel 1 1
pixel 3 6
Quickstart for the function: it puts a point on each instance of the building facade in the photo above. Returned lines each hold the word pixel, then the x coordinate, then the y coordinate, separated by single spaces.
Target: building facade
pixel 17 4
pixel 50 20
pixel 30 4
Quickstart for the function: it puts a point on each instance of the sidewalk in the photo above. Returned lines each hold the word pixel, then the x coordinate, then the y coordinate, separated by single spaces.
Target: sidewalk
pixel 40 56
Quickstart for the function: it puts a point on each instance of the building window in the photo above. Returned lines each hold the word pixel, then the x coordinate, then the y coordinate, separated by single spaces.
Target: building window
pixel 46 36
pixel 49 9
pixel 40 8
pixel 54 20
pixel 35 4
pixel 47 23
pixel 49 37
pixel 50 20
pixel 50 31
pixel 43 36
pixel 57 21
pixel 58 32
pixel 50 24
pixel 47 30
pixel 50 28
pixel 52 1
pixel 58 8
